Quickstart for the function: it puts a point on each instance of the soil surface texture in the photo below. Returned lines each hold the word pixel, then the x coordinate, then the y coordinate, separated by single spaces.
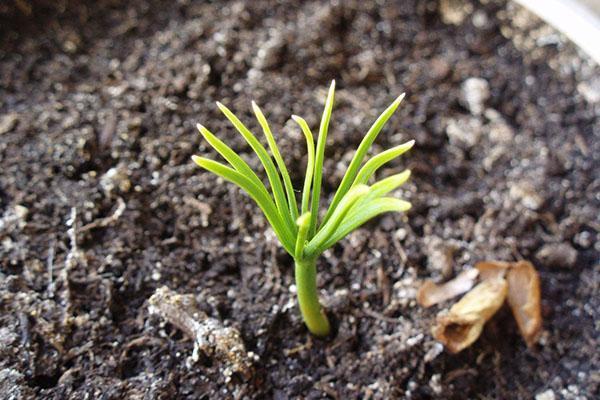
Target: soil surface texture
pixel 100 204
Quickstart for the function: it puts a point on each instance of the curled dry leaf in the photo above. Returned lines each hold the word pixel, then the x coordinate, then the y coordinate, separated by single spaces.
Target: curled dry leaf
pixel 431 293
pixel 492 269
pixel 517 282
pixel 463 324
pixel 524 298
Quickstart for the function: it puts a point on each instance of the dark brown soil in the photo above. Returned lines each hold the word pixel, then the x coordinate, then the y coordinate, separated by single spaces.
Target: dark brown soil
pixel 98 104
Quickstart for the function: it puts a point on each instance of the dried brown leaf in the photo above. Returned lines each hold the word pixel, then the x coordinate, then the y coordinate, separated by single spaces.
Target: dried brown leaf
pixel 524 298
pixel 492 269
pixel 463 324
pixel 431 293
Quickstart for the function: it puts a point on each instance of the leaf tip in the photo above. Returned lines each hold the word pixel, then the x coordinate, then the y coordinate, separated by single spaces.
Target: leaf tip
pixel 331 90
pixel 197 159
pixel 407 146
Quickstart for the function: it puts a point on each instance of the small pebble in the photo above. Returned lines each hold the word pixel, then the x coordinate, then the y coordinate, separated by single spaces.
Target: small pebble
pixel 433 352
pixel 557 255
pixel 546 395
pixel 464 132
pixel 475 92
pixel 527 195
pixel 8 122
pixel 454 12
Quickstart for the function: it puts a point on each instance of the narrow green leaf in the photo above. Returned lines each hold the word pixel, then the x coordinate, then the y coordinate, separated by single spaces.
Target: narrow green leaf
pixel 386 185
pixel 310 165
pixel 362 150
pixel 231 156
pixel 380 159
pixel 289 189
pixel 365 213
pixel 303 224
pixel 350 199
pixel 265 159
pixel 320 154
pixel 381 188
pixel 285 236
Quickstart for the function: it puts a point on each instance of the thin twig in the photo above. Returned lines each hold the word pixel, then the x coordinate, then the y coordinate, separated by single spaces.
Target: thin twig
pixel 209 334
pixel 50 265
pixel 102 222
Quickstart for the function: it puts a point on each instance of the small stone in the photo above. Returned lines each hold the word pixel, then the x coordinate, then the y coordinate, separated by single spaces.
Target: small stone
pixel 557 255
pixel 480 19
pixel 583 239
pixel 454 12
pixel 590 90
pixel 435 383
pixel 464 132
pixel 498 129
pixel 72 42
pixel 440 254
pixel 14 217
pixel 433 352
pixel 115 178
pixel 546 395
pixel 8 122
pixel 475 92
pixel 21 211
pixel 526 194
pixel 401 234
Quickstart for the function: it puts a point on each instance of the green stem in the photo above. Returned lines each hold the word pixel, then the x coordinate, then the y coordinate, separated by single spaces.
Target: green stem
pixel 308 298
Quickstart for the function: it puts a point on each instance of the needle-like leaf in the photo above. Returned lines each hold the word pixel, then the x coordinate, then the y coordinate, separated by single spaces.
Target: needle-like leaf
pixel 360 154
pixel 265 159
pixel 350 199
pixel 386 185
pixel 264 202
pixel 381 188
pixel 354 220
pixel 231 156
pixel 320 154
pixel 310 164
pixel 289 189
pixel 376 162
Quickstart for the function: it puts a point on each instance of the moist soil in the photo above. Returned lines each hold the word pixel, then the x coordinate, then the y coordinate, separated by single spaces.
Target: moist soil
pixel 101 204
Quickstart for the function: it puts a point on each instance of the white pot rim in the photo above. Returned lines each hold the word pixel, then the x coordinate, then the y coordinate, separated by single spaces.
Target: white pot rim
pixel 577 21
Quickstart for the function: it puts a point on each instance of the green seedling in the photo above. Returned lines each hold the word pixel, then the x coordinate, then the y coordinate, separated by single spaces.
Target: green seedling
pixel 299 230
